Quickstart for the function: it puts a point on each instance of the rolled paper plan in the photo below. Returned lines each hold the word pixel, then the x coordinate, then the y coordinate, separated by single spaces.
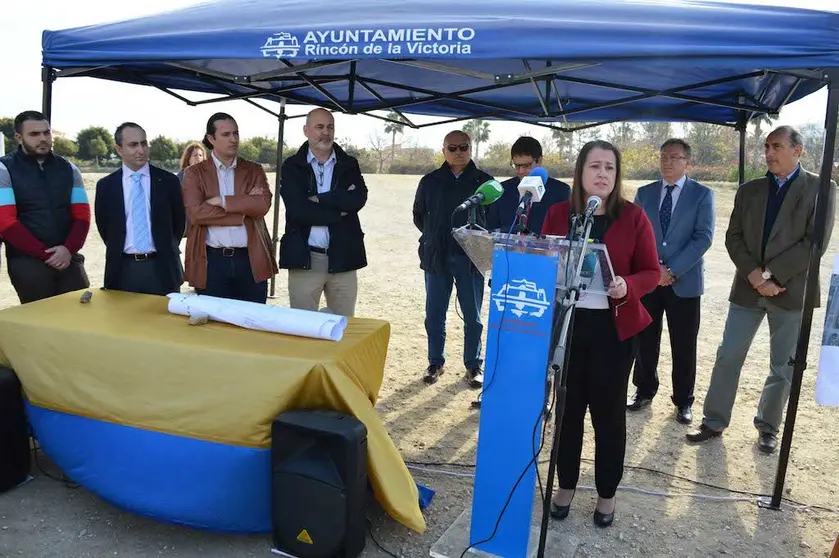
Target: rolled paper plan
pixel 262 317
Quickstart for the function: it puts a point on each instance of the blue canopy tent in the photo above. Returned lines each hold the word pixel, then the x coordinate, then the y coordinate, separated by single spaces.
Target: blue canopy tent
pixel 548 62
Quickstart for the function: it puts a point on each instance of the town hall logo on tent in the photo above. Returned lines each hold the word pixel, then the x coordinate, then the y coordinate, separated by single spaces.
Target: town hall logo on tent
pixel 439 41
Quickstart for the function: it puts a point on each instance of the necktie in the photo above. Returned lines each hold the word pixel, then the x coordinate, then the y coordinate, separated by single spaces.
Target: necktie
pixel 666 210
pixel 142 236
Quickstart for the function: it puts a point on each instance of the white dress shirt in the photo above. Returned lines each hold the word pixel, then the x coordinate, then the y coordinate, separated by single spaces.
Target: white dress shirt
pixel 127 186
pixel 319 235
pixel 677 191
pixel 235 236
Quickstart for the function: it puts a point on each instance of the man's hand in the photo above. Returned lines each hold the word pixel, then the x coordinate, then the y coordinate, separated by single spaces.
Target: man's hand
pixel 314 199
pixel 60 258
pixel 215 201
pixel 666 279
pixel 351 188
pixel 756 279
pixel 770 288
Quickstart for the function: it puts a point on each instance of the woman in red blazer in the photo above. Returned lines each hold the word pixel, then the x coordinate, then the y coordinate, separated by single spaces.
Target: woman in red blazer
pixel 604 327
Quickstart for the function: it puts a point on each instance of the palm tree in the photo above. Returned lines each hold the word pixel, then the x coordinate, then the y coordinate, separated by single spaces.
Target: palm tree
pixel 393 128
pixel 478 130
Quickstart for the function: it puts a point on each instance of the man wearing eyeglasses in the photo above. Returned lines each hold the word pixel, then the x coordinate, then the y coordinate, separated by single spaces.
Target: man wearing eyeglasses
pixel 444 261
pixel 682 213
pixel 525 155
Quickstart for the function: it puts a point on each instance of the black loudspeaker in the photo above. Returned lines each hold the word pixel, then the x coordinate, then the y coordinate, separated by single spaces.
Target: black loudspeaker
pixel 15 458
pixel 318 484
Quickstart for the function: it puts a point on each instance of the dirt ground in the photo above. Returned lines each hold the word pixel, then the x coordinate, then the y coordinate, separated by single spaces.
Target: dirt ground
pixel 436 425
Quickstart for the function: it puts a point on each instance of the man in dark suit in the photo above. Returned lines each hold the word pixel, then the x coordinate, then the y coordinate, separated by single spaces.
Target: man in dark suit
pixel 769 238
pixel 682 213
pixel 525 155
pixel 140 216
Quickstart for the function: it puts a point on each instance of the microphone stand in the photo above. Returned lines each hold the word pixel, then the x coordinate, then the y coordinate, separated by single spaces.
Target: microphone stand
pixel 561 334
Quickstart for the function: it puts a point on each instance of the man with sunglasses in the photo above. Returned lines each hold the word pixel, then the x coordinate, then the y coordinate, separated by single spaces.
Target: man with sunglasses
pixel 525 155
pixel 444 261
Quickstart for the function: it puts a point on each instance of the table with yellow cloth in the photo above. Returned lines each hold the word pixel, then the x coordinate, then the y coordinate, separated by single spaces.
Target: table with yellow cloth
pixel 121 367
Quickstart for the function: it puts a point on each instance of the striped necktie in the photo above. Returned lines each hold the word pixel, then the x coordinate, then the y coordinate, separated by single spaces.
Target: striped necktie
pixel 142 235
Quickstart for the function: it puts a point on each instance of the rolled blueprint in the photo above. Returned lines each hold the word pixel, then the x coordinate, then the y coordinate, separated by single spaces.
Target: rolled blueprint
pixel 253 315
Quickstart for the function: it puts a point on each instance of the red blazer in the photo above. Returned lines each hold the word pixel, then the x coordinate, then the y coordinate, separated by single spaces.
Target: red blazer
pixel 632 249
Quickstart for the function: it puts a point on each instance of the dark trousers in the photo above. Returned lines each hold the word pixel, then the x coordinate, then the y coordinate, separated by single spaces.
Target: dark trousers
pixel 229 275
pixel 598 376
pixel 470 295
pixel 35 280
pixel 683 324
pixel 141 276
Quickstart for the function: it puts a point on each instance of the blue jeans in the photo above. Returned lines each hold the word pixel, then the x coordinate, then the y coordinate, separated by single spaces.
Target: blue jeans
pixel 740 328
pixel 230 276
pixel 470 296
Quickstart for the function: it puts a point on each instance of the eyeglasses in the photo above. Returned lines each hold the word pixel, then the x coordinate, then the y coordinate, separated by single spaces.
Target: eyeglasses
pixel 522 166
pixel 463 147
pixel 666 158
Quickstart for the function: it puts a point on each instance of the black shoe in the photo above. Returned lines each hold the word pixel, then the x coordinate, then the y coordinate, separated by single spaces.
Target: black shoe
pixel 432 373
pixel 767 442
pixel 684 414
pixel 475 377
pixel 603 519
pixel 638 402
pixel 561 512
pixel 702 433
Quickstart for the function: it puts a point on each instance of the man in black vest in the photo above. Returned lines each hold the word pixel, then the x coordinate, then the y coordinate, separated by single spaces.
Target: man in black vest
pixel 140 216
pixel 44 214
pixel 444 261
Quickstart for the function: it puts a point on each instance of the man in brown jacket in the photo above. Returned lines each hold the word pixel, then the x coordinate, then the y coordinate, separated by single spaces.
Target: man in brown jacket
pixel 228 248
pixel 768 239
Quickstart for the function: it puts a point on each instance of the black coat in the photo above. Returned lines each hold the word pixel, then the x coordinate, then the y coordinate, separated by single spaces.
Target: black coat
pixel 502 213
pixel 438 194
pixel 168 218
pixel 346 239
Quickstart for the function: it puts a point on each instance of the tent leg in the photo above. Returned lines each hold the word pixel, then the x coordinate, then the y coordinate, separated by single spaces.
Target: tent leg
pixel 742 163
pixel 277 186
pixel 799 362
pixel 47 77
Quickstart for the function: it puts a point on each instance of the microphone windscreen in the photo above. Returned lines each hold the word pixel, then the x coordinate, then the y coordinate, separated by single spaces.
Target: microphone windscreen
pixel 541 173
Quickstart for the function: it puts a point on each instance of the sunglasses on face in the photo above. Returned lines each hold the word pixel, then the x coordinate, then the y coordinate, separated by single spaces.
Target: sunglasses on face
pixel 463 147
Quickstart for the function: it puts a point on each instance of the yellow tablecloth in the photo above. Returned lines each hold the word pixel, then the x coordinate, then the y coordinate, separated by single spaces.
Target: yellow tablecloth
pixel 125 359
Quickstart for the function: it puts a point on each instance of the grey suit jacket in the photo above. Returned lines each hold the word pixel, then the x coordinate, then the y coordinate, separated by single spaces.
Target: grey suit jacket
pixel 689 235
pixel 787 251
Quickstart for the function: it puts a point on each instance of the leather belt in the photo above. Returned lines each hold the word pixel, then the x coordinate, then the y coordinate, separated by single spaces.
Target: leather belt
pixel 140 257
pixel 318 250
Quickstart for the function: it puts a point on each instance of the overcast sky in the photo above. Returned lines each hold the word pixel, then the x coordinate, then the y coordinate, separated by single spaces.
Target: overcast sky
pixel 80 102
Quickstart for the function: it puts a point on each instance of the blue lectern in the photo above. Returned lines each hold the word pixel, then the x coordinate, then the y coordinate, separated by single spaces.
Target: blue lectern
pixel 524 279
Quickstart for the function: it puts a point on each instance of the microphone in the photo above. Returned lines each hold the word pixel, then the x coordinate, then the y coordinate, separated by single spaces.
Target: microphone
pixel 532 188
pixel 592 204
pixel 486 193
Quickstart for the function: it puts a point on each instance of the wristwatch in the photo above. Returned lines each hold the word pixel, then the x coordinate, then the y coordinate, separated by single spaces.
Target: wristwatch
pixel 766 275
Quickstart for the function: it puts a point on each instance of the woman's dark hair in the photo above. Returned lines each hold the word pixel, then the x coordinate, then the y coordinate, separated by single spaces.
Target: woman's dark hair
pixel 211 127
pixel 615 201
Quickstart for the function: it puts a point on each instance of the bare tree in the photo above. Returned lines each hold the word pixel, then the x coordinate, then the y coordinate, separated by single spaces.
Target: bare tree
pixel 378 145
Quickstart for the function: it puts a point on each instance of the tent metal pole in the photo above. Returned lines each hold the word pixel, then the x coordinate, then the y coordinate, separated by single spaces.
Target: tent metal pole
pixel 277 186
pixel 741 170
pixel 48 76
pixel 799 362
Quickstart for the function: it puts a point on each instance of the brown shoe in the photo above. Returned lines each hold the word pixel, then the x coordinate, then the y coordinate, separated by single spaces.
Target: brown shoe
pixel 702 433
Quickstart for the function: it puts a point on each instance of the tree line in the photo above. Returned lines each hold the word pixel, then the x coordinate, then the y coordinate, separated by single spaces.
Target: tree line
pixel 392 150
